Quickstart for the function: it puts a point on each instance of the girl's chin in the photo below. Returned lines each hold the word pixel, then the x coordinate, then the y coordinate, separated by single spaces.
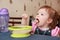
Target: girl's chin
pixel 39 25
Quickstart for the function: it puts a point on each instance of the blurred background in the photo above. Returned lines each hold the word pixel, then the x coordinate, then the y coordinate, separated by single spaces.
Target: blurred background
pixel 18 7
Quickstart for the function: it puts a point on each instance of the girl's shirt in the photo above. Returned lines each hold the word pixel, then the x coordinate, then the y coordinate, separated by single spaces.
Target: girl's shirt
pixel 53 32
pixel 41 32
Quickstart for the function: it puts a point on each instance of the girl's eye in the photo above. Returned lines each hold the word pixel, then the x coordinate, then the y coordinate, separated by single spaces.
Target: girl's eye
pixel 42 14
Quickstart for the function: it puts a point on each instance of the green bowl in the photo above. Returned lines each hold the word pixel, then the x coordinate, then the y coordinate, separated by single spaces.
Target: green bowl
pixel 20 31
pixel 20 35
pixel 20 28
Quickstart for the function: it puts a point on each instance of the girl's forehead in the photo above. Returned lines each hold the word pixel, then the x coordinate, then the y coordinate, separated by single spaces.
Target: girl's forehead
pixel 42 10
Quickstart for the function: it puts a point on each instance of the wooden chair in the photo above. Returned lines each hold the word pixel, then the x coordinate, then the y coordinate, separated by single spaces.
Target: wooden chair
pixel 14 20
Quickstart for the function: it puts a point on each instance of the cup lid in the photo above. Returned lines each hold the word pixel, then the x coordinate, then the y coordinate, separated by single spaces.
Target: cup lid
pixel 4 11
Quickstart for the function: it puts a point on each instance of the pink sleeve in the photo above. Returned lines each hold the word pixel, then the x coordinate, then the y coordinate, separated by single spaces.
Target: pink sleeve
pixel 34 26
pixel 55 31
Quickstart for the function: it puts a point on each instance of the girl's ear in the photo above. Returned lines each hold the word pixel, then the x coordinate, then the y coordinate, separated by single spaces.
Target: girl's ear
pixel 49 20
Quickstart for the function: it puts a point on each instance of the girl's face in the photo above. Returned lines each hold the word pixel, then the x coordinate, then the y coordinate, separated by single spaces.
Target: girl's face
pixel 42 17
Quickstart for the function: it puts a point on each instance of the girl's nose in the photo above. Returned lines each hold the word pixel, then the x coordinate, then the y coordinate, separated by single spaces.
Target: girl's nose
pixel 37 16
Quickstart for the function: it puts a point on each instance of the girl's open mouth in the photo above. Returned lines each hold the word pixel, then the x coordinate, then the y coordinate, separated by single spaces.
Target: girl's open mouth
pixel 37 20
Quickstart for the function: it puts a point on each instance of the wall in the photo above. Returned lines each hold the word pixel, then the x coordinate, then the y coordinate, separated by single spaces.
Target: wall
pixel 18 7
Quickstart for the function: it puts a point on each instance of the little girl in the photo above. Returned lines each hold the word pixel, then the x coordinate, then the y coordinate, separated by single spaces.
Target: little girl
pixel 45 22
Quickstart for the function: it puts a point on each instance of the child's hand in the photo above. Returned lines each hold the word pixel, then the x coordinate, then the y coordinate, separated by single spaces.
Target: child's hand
pixel 34 25
pixel 24 16
pixel 24 19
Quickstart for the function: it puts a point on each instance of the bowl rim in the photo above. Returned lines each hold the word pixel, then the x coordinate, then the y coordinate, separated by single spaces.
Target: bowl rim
pixel 20 28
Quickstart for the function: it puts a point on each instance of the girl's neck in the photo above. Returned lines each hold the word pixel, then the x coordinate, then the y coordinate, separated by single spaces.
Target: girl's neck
pixel 44 27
